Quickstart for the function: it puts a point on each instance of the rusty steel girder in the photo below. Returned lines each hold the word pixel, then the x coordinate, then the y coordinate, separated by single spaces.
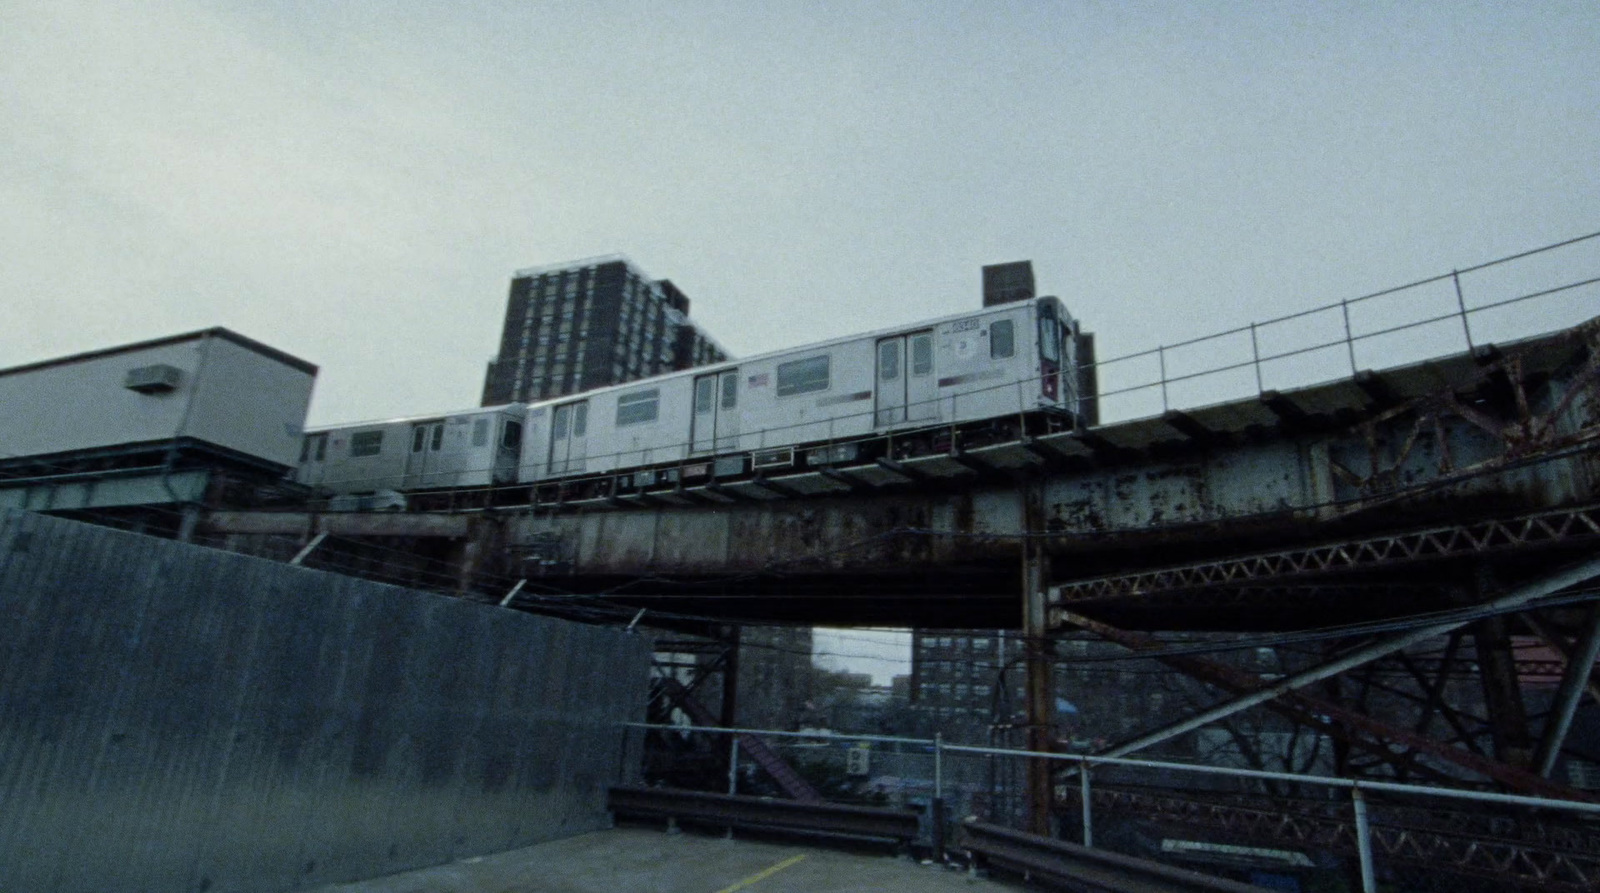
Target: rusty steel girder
pixel 1522 852
pixel 1336 720
pixel 1542 528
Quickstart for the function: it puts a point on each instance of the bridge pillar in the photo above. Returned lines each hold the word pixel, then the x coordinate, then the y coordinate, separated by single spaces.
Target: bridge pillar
pixel 729 715
pixel 1502 693
pixel 1038 651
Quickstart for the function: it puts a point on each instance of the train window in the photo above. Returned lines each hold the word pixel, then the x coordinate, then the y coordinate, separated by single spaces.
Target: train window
pixel 1002 338
pixel 730 390
pixel 480 432
pixel 803 376
pixel 305 449
pixel 419 436
pixel 703 395
pixel 640 406
pixel 511 436
pixel 889 360
pixel 580 420
pixel 1049 336
pixel 921 354
pixel 438 437
pixel 366 443
pixel 559 429
pixel 322 447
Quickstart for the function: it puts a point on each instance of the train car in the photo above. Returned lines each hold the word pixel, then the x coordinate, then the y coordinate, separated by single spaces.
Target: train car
pixel 472 448
pixel 994 372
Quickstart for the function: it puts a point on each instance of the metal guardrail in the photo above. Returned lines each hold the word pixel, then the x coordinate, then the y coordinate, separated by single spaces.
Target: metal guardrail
pixel 1081 868
pixel 894 826
pixel 1328 329
pixel 1082 766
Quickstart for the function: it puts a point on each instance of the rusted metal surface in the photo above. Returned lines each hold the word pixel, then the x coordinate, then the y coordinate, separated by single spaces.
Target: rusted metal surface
pixel 415 524
pixel 731 810
pixel 1352 726
pixel 1038 651
pixel 1069 866
pixel 1518 851
pixel 1545 528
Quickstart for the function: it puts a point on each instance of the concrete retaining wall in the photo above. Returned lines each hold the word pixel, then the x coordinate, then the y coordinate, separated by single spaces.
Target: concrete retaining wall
pixel 178 718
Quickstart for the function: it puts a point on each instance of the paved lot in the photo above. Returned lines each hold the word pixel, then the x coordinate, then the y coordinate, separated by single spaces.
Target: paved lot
pixel 635 860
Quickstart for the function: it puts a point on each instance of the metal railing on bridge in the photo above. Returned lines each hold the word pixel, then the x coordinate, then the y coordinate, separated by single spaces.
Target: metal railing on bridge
pixel 1245 820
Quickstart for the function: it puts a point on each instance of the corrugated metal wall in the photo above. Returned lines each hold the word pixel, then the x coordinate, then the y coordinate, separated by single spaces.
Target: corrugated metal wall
pixel 177 718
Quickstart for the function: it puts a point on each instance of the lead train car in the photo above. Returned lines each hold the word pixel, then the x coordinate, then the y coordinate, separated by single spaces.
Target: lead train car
pixel 822 403
pixel 989 374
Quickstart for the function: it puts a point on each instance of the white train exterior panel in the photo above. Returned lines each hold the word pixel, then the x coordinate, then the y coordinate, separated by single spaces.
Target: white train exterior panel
pixel 476 448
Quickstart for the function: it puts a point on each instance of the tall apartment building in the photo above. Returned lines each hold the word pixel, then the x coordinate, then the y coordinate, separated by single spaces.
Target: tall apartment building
pixel 590 323
pixel 957 680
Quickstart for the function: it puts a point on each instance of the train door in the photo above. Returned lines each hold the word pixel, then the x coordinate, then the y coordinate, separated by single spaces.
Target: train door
pixel 728 411
pixel 427 438
pixel 715 425
pixel 906 391
pixel 922 389
pixel 510 451
pixel 891 389
pixel 569 430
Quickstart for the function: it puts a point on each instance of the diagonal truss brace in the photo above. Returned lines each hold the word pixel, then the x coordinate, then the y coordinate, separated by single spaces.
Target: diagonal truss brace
pixel 1579 667
pixel 1438 542
pixel 1250 694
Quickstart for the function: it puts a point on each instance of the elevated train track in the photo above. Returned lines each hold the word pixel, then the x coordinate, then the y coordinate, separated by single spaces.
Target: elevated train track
pixel 1362 495
pixel 1455 484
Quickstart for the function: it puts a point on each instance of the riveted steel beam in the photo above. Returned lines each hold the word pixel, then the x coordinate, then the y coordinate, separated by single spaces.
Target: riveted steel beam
pixel 1356 554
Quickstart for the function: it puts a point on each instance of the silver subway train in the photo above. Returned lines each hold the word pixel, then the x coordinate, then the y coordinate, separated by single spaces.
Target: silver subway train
pixel 933 386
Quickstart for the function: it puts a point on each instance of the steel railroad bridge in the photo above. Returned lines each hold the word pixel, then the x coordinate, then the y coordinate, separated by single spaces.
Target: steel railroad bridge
pixel 1453 501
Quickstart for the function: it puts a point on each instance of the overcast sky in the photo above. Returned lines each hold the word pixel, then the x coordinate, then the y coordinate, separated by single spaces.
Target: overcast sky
pixel 354 182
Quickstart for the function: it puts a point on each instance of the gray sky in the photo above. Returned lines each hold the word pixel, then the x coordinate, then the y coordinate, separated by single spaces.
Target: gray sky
pixel 355 182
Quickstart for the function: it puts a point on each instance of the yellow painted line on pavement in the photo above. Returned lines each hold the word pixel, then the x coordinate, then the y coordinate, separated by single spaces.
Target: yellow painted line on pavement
pixel 761 876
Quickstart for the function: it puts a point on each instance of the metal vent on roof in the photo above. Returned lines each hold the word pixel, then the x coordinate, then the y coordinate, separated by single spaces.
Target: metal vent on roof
pixel 157 379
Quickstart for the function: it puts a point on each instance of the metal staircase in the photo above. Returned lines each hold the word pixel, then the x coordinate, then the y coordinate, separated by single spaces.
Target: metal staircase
pixel 753 747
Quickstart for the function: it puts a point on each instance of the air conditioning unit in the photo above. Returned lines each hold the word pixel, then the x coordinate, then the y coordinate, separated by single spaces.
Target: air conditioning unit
pixel 858 761
pixel 157 379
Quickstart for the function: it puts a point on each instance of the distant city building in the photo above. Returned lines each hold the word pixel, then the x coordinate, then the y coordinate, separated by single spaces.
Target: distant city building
pixel 956 678
pixel 774 676
pixel 590 323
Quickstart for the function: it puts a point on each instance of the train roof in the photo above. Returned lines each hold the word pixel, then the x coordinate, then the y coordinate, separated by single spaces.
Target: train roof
pixel 707 369
pixel 420 417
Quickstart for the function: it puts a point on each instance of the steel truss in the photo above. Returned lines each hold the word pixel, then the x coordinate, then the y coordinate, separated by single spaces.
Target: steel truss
pixel 1543 528
pixel 1411 690
pixel 1516 851
pixel 1288 696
